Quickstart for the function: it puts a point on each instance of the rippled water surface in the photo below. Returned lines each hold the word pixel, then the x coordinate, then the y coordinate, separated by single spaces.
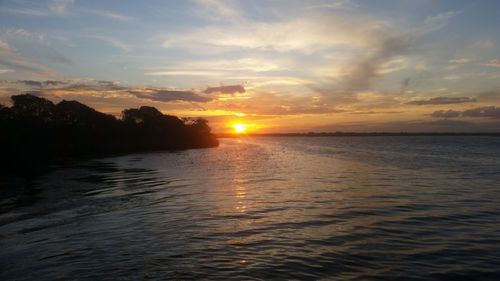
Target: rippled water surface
pixel 346 208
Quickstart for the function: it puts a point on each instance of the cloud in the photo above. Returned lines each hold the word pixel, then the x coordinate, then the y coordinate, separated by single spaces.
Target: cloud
pixel 336 5
pixel 218 10
pixel 438 21
pixel 60 7
pixel 221 68
pixel 386 50
pixel 485 111
pixel 230 89
pixel 452 77
pixel 27 11
pixel 5 70
pixel 164 95
pixel 460 61
pixel 117 43
pixel 275 104
pixel 185 73
pixel 34 9
pixel 493 63
pixel 489 96
pixel 21 33
pixel 446 114
pixel 13 61
pixel 35 83
pixel 103 89
pixel 442 100
pixel 31 83
pixel 108 14
pixel 303 35
pixel 358 75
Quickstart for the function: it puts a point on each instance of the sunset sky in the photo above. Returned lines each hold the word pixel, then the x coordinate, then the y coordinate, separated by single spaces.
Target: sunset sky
pixel 278 66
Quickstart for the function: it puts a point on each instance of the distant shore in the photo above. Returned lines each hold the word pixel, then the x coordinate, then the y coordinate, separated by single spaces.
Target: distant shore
pixel 357 134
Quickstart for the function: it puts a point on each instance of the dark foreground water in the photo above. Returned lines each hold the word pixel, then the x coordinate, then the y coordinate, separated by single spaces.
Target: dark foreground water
pixel 349 208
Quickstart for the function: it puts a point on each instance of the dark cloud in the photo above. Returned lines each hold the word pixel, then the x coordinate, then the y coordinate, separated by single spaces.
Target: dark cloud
pixel 58 88
pixel 446 114
pixel 489 96
pixel 34 83
pixel 375 112
pixel 53 83
pixel 387 47
pixel 163 95
pixel 442 100
pixel 230 89
pixel 31 83
pixel 485 111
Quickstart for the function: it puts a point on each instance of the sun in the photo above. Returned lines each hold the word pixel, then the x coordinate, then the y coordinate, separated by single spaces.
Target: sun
pixel 239 128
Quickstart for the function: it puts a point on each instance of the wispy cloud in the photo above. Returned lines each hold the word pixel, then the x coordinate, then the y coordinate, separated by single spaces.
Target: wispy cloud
pixel 336 4
pixel 184 73
pixel 5 70
pixel 493 63
pixel 218 10
pixel 9 58
pixel 115 42
pixel 302 35
pixel 460 61
pixel 108 14
pixel 26 11
pixel 60 7
pixel 219 68
pixel 442 100
pixel 434 22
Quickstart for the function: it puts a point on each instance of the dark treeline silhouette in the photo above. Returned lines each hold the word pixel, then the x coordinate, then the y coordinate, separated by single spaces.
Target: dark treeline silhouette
pixel 35 132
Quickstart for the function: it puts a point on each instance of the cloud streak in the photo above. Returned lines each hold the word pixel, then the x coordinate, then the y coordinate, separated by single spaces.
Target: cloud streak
pixel 165 95
pixel 104 89
pixel 229 89
pixel 442 100
pixel 446 114
pixel 10 59
pixel 481 112
pixel 493 63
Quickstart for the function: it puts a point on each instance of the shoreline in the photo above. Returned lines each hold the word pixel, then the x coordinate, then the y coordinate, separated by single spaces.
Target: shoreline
pixel 353 134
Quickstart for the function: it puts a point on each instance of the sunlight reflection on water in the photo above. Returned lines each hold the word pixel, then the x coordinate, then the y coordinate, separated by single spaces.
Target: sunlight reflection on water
pixel 283 208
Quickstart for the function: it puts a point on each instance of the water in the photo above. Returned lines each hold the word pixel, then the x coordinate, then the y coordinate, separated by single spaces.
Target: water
pixel 345 208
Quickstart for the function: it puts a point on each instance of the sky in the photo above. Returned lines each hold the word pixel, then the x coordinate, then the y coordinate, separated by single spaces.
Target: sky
pixel 276 65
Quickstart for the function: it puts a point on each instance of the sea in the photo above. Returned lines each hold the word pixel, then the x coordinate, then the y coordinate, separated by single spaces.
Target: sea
pixel 263 208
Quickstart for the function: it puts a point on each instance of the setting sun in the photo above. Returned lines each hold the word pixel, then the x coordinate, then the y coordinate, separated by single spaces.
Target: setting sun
pixel 239 128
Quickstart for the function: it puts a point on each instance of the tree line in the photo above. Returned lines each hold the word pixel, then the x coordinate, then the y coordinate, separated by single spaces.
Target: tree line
pixel 35 132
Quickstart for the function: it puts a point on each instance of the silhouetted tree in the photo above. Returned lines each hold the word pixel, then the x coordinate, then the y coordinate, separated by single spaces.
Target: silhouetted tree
pixel 36 132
